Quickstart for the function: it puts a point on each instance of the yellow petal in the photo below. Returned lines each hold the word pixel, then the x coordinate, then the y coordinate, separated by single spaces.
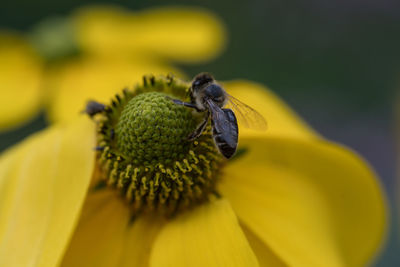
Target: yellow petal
pixel 206 236
pixel 20 80
pixel 107 235
pixel 94 79
pixel 281 120
pixel 139 240
pixel 312 203
pixel 98 239
pixel 8 168
pixel 44 189
pixel 184 34
pixel 265 256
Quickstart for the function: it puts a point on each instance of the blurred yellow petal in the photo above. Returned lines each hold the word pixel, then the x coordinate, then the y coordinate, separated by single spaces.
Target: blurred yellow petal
pixel 45 187
pixel 9 163
pixel 184 34
pixel 107 235
pixel 208 235
pixel 73 84
pixel 98 239
pixel 282 121
pixel 139 240
pixel 312 203
pixel 265 256
pixel 20 80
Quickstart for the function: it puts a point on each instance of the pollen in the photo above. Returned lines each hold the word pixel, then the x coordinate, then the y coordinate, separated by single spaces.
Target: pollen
pixel 144 151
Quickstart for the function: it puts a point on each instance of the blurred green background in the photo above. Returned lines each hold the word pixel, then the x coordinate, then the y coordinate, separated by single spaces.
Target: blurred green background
pixel 337 63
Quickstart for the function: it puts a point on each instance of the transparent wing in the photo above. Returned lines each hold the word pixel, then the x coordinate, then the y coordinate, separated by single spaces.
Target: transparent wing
pixel 218 116
pixel 222 123
pixel 246 116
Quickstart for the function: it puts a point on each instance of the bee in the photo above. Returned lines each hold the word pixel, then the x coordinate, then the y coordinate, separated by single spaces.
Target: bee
pixel 208 96
pixel 93 108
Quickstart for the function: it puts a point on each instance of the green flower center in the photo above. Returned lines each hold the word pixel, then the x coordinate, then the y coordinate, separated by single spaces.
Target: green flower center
pixel 153 129
pixel 144 150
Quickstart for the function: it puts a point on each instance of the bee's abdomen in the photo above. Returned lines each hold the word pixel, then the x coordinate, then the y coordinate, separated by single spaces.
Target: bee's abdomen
pixel 226 137
pixel 223 147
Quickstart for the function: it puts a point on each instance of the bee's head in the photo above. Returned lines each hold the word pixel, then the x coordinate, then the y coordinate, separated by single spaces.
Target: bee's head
pixel 200 81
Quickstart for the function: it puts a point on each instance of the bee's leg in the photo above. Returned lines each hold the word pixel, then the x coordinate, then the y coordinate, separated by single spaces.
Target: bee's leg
pixel 200 128
pixel 186 104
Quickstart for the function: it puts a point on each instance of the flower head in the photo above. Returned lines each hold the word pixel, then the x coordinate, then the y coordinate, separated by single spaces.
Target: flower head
pixel 291 198
pixel 145 151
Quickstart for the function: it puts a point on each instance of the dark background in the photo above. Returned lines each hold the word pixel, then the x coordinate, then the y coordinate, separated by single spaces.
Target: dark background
pixel 337 63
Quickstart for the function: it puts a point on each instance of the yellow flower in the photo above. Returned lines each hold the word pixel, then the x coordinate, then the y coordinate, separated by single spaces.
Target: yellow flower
pixel 179 34
pixel 116 46
pixel 291 199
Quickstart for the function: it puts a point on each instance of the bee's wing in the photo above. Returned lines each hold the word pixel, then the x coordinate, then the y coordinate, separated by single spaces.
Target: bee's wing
pixel 223 124
pixel 246 115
